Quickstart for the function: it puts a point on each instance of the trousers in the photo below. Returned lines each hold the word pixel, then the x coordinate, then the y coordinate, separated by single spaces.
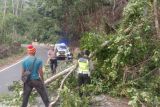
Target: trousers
pixel 53 62
pixel 83 79
pixel 39 86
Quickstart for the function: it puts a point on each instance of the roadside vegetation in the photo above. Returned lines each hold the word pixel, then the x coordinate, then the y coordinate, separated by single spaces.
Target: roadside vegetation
pixel 128 67
pixel 12 57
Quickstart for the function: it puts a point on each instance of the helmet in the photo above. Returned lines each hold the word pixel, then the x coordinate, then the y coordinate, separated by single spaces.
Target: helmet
pixel 86 52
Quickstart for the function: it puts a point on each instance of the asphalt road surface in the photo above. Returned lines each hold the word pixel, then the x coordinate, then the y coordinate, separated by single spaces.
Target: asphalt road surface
pixel 13 72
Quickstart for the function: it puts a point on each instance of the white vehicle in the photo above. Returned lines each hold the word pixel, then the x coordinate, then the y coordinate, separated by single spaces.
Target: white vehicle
pixel 62 50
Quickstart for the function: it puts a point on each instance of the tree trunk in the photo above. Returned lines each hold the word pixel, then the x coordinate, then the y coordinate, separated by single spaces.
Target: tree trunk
pixel 17 8
pixel 113 8
pixel 51 79
pixel 5 8
pixel 13 10
pixel 21 7
pixel 156 18
pixel 4 14
pixel 13 7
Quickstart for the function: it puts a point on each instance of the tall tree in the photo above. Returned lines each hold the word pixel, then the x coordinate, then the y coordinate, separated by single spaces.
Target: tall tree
pixel 4 9
pixel 17 8
pixel 155 5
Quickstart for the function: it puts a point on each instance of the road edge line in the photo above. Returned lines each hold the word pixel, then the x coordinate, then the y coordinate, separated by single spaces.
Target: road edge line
pixel 10 66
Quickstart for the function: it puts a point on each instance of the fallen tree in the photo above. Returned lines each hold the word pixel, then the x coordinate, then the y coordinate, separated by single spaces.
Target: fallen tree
pixel 54 77
pixel 68 71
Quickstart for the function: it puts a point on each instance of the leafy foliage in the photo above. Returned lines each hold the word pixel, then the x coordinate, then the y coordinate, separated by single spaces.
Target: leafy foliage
pixel 72 99
pixel 15 98
pixel 128 66
pixel 91 41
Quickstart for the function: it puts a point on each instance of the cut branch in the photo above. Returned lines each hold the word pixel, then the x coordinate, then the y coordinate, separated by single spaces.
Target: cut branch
pixel 61 87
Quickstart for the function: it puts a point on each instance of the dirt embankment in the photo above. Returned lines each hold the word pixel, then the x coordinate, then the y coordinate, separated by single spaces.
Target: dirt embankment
pixel 10 53
pixel 7 50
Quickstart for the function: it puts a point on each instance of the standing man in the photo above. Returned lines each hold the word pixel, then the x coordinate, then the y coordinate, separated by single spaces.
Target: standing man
pixel 35 80
pixel 83 69
pixel 52 59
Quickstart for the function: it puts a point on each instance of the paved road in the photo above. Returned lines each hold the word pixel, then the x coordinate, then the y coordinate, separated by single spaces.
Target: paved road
pixel 13 73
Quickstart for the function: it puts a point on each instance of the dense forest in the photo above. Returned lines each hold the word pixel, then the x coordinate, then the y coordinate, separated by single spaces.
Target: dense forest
pixel 129 66
pixel 45 20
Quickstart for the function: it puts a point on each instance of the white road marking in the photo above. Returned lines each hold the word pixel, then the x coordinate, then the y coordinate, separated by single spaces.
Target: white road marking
pixel 10 66
pixel 24 45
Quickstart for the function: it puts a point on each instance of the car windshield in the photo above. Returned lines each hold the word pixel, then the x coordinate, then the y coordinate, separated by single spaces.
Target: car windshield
pixel 63 47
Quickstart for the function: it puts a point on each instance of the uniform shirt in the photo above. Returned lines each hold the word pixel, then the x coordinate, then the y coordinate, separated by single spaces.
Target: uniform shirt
pixel 27 64
pixel 83 64
pixel 52 54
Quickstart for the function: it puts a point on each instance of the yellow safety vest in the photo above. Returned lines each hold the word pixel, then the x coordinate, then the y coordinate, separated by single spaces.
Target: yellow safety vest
pixel 83 66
